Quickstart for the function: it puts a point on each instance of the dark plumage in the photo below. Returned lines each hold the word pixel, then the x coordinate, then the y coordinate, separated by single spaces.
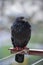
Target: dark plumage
pixel 20 33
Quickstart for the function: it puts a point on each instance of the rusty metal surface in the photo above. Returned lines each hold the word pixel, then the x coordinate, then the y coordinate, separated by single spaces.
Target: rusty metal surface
pixel 27 51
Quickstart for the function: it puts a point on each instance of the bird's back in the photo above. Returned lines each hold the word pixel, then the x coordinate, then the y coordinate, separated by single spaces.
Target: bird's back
pixel 21 32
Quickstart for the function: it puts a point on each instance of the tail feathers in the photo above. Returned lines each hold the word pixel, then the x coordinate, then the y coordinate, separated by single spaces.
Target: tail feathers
pixel 19 58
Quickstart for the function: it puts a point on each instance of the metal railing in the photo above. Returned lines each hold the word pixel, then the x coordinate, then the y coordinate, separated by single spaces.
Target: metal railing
pixel 10 59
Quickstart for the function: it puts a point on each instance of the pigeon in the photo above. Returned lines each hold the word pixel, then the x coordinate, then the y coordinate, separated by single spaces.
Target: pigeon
pixel 20 35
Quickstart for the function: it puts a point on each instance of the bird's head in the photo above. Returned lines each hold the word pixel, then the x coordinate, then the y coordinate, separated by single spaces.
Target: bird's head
pixel 21 19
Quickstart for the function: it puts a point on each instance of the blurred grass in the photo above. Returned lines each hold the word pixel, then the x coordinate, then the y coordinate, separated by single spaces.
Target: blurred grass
pixel 33 59
pixel 36 38
pixel 4 51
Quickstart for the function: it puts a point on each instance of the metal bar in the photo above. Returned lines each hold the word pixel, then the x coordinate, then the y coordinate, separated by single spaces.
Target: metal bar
pixel 27 51
pixel 37 62
pixel 35 52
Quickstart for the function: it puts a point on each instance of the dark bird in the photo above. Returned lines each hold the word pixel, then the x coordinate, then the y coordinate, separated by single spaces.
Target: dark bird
pixel 20 35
